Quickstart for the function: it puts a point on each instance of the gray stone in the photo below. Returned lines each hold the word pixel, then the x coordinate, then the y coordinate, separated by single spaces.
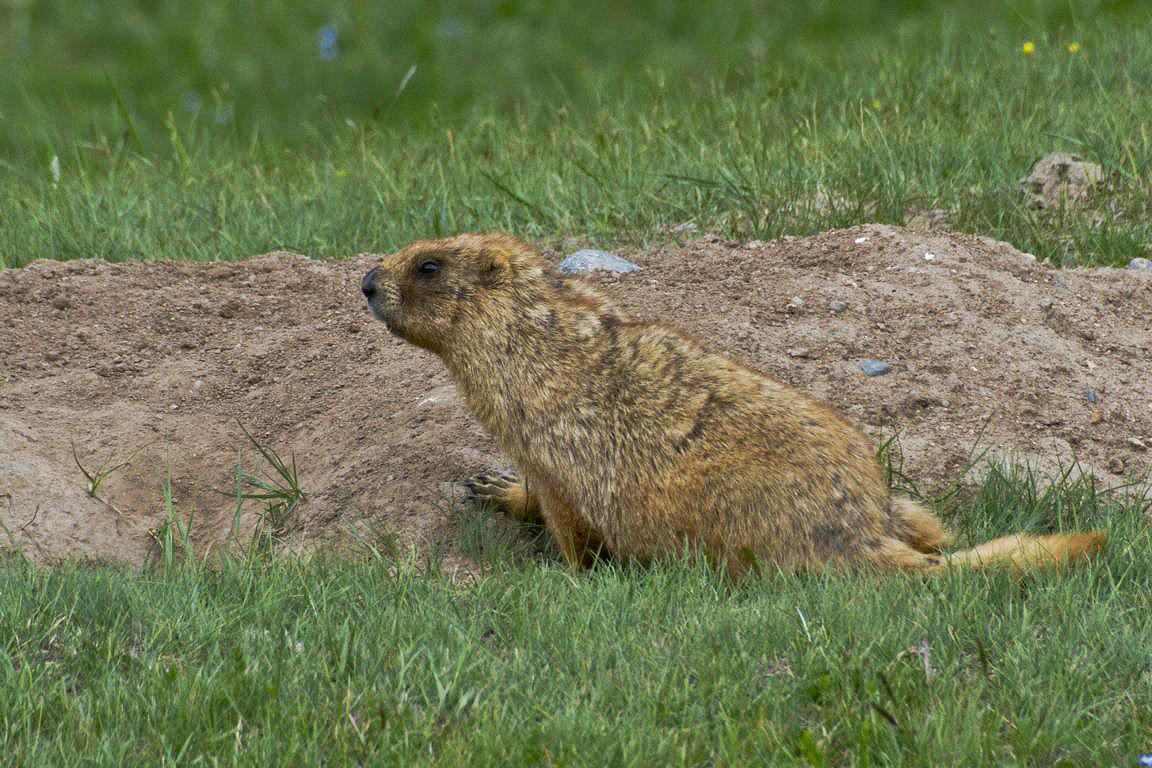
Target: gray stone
pixel 589 260
pixel 874 367
pixel 1140 263
pixel 836 307
pixel 1059 180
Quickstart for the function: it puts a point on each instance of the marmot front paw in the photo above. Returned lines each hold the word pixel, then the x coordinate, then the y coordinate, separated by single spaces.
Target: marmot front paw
pixel 506 492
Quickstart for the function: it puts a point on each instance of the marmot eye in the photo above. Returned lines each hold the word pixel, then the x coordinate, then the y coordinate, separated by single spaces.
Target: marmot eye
pixel 429 267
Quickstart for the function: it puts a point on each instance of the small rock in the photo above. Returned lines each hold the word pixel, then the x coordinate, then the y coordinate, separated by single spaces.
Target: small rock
pixel 1137 443
pixel 929 256
pixel 52 357
pixel 1116 465
pixel 874 367
pixel 1090 395
pixel 836 307
pixel 1059 180
pixel 173 407
pixel 61 303
pixel 353 328
pixel 687 226
pixel 1096 417
pixel 923 221
pixel 1137 263
pixel 589 260
pixel 861 240
pixel 795 306
pixel 797 352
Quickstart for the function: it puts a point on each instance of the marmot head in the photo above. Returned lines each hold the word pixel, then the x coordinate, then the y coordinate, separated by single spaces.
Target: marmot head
pixel 423 291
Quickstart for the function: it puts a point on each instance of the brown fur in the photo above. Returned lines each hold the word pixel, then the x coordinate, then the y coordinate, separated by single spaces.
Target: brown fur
pixel 634 441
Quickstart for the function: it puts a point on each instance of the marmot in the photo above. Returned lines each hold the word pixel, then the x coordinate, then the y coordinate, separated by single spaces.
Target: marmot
pixel 634 441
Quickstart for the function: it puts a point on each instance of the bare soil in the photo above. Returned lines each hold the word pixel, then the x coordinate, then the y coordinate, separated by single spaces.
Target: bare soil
pixel 160 363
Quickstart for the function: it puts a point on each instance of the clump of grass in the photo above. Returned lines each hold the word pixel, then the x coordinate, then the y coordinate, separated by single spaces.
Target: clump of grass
pixel 490 538
pixel 891 457
pixel 175 549
pixel 376 540
pixel 890 454
pixel 278 491
pixel 97 477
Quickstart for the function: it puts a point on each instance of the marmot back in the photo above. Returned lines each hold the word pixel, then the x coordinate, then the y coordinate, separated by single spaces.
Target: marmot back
pixel 636 442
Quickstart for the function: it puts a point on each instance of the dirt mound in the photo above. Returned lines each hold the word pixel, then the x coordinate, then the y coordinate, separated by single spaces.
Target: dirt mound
pixel 160 363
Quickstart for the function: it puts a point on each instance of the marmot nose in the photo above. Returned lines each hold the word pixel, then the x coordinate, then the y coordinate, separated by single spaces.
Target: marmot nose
pixel 368 284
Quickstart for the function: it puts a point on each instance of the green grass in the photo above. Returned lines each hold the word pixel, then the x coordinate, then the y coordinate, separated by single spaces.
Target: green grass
pixel 271 662
pixel 199 130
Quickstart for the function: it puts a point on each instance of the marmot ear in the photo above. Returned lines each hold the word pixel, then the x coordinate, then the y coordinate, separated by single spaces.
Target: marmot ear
pixel 495 265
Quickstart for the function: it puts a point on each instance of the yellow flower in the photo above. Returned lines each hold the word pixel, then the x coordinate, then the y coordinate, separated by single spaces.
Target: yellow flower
pixel 876 104
pixel 1073 47
pixel 1028 48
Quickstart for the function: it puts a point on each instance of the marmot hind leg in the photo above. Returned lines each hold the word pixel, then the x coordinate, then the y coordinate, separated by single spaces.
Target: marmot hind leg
pixel 579 544
pixel 917 527
pixel 507 493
